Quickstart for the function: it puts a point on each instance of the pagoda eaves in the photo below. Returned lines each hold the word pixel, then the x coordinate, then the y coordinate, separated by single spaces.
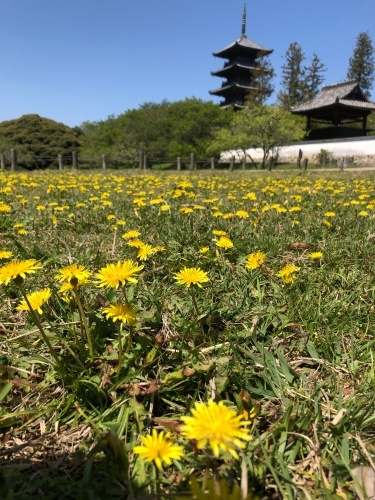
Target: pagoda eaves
pixel 243 45
pixel 243 61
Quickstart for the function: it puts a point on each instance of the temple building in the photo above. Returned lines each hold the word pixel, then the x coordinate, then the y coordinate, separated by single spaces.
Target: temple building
pixel 339 110
pixel 243 56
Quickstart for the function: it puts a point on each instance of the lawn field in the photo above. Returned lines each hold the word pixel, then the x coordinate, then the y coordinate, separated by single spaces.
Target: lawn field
pixel 187 335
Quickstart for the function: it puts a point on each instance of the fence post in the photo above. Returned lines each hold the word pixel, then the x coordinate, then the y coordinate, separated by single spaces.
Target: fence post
pixel 299 158
pixel 178 162
pixel 270 163
pixel 2 162
pixel 60 161
pixel 243 162
pixel 75 160
pixel 141 160
pixel 212 162
pixel 231 164
pixel 13 159
pixel 144 162
pixel 193 164
pixel 104 162
pixel 305 162
pixel 192 161
pixel 341 164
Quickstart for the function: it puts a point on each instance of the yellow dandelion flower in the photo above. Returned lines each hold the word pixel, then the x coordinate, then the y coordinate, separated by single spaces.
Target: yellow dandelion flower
pixel 144 251
pixel 67 287
pixel 115 275
pixel 5 254
pixel 204 250
pixel 36 299
pixel 22 231
pixel 217 425
pixel 4 207
pixel 41 208
pixel 287 273
pixel 316 255
pixel 121 312
pixel 281 210
pixel 218 232
pixel 255 260
pixel 224 242
pixel 329 214
pixel 191 276
pixel 158 448
pixel 243 214
pixel 75 274
pixel 159 248
pixel 135 243
pixel 363 213
pixel 18 268
pixel 186 210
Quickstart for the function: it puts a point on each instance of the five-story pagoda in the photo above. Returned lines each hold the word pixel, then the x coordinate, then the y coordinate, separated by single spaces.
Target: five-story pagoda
pixel 243 60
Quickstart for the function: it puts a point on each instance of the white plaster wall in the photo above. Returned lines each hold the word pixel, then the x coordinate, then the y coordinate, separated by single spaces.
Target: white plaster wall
pixel 362 151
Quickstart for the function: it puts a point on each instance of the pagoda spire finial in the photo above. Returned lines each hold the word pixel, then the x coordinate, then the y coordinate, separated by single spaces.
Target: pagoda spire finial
pixel 243 28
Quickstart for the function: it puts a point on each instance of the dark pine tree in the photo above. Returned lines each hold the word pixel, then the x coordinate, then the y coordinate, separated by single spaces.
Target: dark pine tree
pixel 293 77
pixel 261 80
pixel 314 77
pixel 361 64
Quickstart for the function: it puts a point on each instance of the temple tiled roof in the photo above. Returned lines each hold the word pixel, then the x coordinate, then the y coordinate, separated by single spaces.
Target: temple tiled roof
pixel 347 94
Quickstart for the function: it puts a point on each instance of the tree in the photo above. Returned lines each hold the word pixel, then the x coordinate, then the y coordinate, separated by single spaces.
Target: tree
pixel 314 77
pixel 293 77
pixel 261 80
pixel 266 127
pixel 161 130
pixel 38 140
pixel 361 64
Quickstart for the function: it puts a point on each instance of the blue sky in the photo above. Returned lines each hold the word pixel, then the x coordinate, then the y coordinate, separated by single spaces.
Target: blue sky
pixel 78 60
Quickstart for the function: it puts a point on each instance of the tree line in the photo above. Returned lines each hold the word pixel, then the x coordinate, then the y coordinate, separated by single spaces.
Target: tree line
pixel 175 129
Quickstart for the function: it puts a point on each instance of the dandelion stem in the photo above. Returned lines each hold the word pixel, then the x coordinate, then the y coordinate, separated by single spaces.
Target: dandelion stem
pixel 129 340
pixel 66 344
pixel 83 319
pixel 120 351
pixel 43 333
pixel 195 305
pixel 157 482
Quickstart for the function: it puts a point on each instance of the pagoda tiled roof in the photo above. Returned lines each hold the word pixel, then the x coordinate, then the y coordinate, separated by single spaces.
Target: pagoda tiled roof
pixel 346 94
pixel 243 43
pixel 231 66
pixel 230 86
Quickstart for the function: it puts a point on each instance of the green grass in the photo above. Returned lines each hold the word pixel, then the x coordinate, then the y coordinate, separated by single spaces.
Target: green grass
pixel 303 352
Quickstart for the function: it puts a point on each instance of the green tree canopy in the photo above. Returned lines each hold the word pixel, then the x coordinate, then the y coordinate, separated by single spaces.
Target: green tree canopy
pixel 314 77
pixel 361 64
pixel 38 140
pixel 161 130
pixel 266 127
pixel 261 81
pixel 293 77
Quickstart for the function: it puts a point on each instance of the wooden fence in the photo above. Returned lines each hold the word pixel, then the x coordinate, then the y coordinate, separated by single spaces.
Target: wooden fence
pixel 141 162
